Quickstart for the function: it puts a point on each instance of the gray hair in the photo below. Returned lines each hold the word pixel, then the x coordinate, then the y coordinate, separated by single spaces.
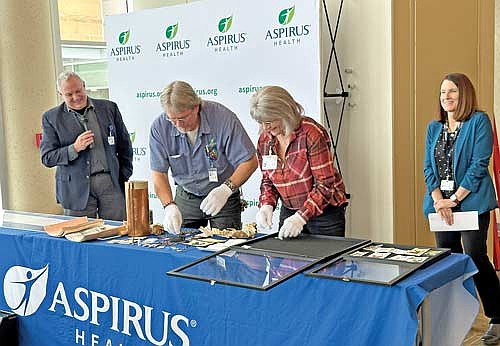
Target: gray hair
pixel 179 96
pixel 65 76
pixel 275 103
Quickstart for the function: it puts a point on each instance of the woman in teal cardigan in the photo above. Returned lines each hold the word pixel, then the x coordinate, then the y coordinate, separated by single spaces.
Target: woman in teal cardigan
pixel 458 151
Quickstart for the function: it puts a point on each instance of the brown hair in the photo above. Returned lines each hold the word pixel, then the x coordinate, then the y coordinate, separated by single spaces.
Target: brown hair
pixel 467 101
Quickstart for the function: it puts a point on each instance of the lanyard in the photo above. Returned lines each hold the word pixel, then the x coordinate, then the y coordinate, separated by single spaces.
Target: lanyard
pixel 211 152
pixel 449 147
pixel 271 144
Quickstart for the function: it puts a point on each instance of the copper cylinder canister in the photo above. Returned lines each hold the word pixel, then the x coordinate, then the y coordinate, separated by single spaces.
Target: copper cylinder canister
pixel 137 202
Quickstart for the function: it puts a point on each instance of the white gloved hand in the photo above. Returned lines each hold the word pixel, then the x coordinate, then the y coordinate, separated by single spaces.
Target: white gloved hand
pixel 215 200
pixel 264 217
pixel 173 219
pixel 292 226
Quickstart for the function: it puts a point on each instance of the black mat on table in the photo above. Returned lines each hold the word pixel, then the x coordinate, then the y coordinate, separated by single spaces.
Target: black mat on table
pixel 306 245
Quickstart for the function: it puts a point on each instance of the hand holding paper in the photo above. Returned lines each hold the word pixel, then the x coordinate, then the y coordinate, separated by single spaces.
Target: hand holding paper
pixel 462 221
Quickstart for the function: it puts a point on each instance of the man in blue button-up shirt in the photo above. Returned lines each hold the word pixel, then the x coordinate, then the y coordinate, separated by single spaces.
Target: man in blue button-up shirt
pixel 209 154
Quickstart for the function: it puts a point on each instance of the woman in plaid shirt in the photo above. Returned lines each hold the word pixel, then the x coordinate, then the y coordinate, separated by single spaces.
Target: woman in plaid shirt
pixel 297 167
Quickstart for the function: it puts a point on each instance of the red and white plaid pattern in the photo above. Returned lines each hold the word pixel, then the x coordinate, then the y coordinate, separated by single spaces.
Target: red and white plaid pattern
pixel 307 180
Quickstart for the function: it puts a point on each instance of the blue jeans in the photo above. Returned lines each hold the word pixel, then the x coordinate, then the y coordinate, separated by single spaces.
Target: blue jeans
pixel 228 217
pixel 474 245
pixel 331 222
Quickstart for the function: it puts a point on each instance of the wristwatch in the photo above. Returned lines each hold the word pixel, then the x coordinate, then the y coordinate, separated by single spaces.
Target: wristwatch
pixel 455 199
pixel 168 203
pixel 231 185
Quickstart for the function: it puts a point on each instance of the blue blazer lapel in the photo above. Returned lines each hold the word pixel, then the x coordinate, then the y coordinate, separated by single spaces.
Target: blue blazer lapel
pixel 459 144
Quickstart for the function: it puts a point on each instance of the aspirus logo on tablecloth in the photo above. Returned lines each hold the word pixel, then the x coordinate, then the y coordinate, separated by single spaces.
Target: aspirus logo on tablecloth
pixel 127 318
pixel 227 42
pixel 139 152
pixel 25 289
pixel 124 52
pixel 171 47
pixel 287 34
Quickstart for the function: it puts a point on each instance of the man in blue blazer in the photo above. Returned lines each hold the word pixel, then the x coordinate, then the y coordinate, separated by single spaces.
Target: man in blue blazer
pixel 89 144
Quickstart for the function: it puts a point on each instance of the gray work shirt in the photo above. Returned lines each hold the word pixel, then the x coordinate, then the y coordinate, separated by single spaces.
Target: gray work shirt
pixel 98 161
pixel 221 143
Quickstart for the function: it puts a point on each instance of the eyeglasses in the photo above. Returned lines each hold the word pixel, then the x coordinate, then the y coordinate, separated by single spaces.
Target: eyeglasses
pixel 181 117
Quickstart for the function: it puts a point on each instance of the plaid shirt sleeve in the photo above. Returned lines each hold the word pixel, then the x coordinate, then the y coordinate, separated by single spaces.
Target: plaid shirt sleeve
pixel 328 186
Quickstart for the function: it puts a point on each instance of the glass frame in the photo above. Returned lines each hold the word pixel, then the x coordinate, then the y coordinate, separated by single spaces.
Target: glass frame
pixel 266 247
pixel 186 270
pixel 408 267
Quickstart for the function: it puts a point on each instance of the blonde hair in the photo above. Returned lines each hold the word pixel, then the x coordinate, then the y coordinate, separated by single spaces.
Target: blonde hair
pixel 179 96
pixel 275 103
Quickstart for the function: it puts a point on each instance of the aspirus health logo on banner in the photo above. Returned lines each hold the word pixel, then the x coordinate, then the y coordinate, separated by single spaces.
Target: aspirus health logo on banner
pixel 288 33
pixel 124 52
pixel 139 152
pixel 225 41
pixel 25 289
pixel 171 47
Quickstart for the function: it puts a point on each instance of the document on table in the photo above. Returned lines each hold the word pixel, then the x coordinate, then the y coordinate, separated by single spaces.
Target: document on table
pixel 462 221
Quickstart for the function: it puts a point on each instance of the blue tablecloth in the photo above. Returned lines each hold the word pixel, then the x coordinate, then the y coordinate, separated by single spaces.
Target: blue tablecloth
pixel 97 293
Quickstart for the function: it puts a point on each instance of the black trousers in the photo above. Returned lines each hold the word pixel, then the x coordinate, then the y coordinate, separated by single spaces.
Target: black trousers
pixel 331 222
pixel 474 245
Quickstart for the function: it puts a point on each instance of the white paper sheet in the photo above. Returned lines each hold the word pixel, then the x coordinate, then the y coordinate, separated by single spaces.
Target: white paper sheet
pixel 462 221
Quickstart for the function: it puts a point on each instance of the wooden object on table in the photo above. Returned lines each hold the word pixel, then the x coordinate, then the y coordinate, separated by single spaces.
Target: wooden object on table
pixel 56 230
pixel 84 226
pixel 137 202
pixel 102 231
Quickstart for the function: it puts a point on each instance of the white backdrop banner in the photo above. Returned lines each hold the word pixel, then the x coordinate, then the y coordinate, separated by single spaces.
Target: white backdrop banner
pixel 227 50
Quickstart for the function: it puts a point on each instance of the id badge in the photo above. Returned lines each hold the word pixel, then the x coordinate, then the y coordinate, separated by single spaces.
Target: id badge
pixel 111 140
pixel 212 175
pixel 447 185
pixel 269 162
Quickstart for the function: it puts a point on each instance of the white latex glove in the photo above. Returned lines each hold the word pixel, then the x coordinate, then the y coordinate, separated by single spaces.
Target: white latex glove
pixel 173 219
pixel 215 200
pixel 292 226
pixel 264 217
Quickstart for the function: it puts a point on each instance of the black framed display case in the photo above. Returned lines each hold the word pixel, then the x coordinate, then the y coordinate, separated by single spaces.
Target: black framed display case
pixel 265 262
pixel 379 263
